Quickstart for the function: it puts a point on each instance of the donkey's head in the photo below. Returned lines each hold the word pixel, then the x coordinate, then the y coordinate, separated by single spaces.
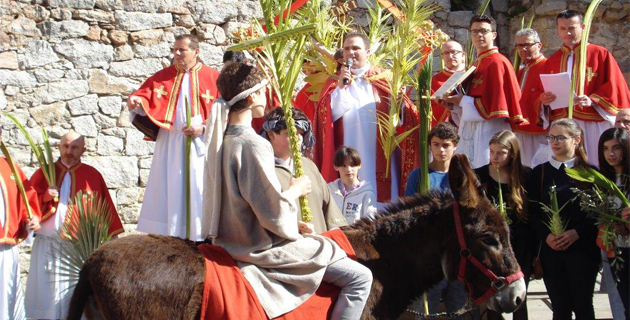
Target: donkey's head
pixel 485 260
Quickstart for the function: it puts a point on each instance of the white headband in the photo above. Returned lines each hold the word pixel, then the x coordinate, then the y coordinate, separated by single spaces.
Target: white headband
pixel 247 92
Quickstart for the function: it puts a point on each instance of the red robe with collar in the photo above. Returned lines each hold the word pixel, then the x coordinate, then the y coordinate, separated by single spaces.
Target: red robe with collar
pixel 84 178
pixel 440 114
pixel 159 95
pixel 14 229
pixel 329 135
pixel 495 88
pixel 604 84
pixel 531 89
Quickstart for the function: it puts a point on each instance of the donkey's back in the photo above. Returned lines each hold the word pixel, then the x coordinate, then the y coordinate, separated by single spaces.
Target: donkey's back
pixel 121 275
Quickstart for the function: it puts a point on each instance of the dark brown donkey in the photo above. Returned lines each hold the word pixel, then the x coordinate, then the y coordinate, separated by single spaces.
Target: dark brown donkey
pixel 409 248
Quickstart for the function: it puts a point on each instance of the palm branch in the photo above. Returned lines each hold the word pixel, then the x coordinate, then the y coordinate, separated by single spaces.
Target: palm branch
pixel 591 175
pixel 501 206
pixel 555 224
pixel 282 55
pixel 86 230
pixel 426 115
pixel 187 147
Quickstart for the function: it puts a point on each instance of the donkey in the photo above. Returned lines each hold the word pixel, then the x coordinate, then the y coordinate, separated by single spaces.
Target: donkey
pixel 409 247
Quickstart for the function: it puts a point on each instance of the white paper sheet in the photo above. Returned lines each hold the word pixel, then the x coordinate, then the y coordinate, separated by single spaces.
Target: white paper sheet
pixel 560 85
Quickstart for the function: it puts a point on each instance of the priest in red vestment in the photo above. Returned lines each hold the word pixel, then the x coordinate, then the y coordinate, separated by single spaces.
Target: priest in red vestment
pixel 47 293
pixel 533 136
pixel 491 102
pixel 15 222
pixel 346 115
pixel 159 110
pixel 605 90
pixel 454 59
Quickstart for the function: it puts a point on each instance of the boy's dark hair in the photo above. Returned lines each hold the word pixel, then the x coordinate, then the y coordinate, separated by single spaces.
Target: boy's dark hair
pixel 344 154
pixel 483 18
pixel 234 56
pixel 444 131
pixel 275 122
pixel 366 40
pixel 235 78
pixel 194 41
pixel 568 14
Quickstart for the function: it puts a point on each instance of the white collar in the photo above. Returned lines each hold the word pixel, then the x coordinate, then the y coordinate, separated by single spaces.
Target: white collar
pixel 360 71
pixel 568 164
pixel 453 71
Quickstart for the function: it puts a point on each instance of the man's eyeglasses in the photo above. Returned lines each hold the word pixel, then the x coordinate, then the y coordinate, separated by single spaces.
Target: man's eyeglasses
pixel 561 138
pixel 480 32
pixel 525 45
pixel 452 53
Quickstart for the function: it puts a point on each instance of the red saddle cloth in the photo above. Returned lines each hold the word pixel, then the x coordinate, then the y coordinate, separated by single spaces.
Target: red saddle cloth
pixel 228 296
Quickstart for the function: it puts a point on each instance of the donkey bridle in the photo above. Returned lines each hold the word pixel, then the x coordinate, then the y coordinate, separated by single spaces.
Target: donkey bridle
pixel 497 283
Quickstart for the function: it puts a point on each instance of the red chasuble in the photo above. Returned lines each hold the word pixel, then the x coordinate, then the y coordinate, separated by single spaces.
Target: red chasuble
pixel 303 102
pixel 495 88
pixel 160 92
pixel 84 178
pixel 531 89
pixel 329 135
pixel 440 114
pixel 604 84
pixel 14 229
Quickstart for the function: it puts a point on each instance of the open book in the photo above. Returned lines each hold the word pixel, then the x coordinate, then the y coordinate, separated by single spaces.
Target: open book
pixel 453 81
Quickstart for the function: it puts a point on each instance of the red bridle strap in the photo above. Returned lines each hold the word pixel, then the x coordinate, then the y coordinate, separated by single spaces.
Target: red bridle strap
pixel 497 283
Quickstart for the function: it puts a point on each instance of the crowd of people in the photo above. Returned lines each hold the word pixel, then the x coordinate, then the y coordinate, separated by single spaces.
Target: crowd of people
pixel 242 192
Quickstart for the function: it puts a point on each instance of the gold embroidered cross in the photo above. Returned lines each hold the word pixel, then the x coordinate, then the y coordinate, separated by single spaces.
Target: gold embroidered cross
pixel 207 96
pixel 477 82
pixel 590 74
pixel 160 92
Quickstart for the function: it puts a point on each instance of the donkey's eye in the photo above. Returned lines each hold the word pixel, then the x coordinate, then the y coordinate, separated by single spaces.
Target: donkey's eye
pixel 490 241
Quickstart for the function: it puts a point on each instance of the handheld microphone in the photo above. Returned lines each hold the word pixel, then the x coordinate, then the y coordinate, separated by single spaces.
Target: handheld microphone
pixel 349 63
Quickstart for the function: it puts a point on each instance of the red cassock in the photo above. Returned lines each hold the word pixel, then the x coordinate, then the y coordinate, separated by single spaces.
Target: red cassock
pixel 604 82
pixel 440 114
pixel 160 92
pixel 83 178
pixel 495 88
pixel 329 135
pixel 14 229
pixel 531 89
pixel 303 102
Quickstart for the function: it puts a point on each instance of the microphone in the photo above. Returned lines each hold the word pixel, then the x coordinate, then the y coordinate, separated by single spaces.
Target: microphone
pixel 349 63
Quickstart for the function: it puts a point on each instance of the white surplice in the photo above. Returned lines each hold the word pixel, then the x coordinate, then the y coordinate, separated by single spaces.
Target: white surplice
pixel 164 205
pixel 475 132
pixel 48 293
pixel 11 296
pixel 356 105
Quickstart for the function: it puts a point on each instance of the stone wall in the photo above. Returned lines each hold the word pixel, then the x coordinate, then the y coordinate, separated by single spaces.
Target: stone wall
pixel 70 64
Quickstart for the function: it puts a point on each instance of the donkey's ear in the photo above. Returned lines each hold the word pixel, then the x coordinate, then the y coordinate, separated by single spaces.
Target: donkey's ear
pixel 464 183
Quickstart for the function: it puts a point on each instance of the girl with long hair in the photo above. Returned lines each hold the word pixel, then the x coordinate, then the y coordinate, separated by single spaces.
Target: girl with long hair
pixel 506 172
pixel 614 160
pixel 570 259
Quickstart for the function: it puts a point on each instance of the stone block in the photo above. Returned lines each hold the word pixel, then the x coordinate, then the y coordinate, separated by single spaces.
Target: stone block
pixel 100 82
pixel 210 55
pixel 136 21
pixel 64 29
pixel 214 12
pixel 51 114
pixel 109 146
pixel 94 34
pixel 130 214
pixel 118 37
pixel 116 132
pixel 550 8
pixel 23 26
pixel 123 53
pixel 147 37
pixel 144 177
pixel 104 122
pixel 152 6
pixel 155 51
pixel 184 20
pixel 136 145
pixel 460 19
pixel 135 68
pixel 3 100
pixel 145 162
pixel 109 5
pixel 118 171
pixel 127 196
pixel 39 53
pixel 84 105
pixel 85 125
pixel 93 16
pixel 75 4
pixel 17 78
pixel 111 105
pixel 9 60
pixel 63 90
pixel 86 54
pixel 36 13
